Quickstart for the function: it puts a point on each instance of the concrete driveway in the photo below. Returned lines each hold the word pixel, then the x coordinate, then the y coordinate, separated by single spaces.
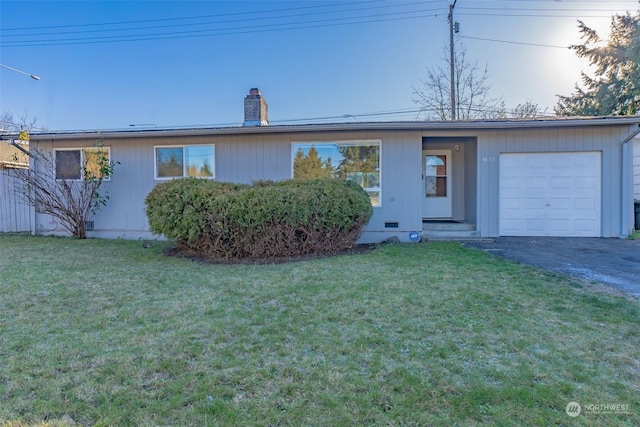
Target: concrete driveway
pixel 613 262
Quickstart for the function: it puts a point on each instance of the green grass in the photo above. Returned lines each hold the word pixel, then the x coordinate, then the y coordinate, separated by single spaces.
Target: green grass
pixel 108 333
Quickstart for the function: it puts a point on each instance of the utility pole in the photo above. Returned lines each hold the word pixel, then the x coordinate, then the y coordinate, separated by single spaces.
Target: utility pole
pixel 452 59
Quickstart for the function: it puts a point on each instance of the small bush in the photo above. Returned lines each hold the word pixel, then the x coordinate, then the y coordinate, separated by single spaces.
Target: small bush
pixel 265 220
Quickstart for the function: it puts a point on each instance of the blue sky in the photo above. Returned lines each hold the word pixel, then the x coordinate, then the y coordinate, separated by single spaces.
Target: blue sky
pixel 108 64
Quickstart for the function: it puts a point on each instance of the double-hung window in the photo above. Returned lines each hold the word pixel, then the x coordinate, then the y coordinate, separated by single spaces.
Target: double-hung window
pixel 82 163
pixel 185 161
pixel 357 161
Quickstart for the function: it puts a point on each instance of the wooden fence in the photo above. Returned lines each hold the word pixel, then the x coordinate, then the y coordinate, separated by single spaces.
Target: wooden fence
pixel 15 213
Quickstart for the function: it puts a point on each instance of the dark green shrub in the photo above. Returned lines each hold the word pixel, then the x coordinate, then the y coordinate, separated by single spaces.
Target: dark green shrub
pixel 265 220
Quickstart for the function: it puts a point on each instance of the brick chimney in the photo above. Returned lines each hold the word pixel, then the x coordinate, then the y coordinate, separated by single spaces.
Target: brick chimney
pixel 255 109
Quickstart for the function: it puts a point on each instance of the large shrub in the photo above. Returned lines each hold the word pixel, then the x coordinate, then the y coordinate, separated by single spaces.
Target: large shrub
pixel 264 220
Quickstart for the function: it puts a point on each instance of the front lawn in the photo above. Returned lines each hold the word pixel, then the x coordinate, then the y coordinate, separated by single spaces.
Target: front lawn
pixel 110 333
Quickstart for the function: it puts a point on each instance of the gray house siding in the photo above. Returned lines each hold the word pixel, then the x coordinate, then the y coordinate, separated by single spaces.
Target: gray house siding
pixel 471 180
pixel 401 187
pixel 123 217
pixel 244 159
pixel 245 155
pixel 249 158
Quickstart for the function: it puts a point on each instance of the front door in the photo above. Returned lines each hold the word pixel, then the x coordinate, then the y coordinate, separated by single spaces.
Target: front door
pixel 436 184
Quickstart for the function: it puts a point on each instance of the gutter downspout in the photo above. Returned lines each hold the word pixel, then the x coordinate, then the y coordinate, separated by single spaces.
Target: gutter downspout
pixel 626 177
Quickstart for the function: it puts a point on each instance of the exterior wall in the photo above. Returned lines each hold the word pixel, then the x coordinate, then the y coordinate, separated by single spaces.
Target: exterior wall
pixel 124 216
pixel 605 139
pixel 401 170
pixel 248 157
pixel 471 181
pixel 636 168
pixel 244 159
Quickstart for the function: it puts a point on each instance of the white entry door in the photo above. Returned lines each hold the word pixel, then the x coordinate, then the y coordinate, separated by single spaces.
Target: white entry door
pixel 436 184
pixel 550 194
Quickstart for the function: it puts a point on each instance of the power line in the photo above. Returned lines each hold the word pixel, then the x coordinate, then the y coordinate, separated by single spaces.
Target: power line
pixel 258 28
pixel 259 12
pixel 179 18
pixel 409 112
pixel 529 15
pixel 414 112
pixel 227 21
pixel 514 42
pixel 344 116
pixel 223 32
pixel 528 9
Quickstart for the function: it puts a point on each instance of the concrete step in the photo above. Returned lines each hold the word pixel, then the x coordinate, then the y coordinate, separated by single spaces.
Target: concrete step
pixel 451 235
pixel 448 226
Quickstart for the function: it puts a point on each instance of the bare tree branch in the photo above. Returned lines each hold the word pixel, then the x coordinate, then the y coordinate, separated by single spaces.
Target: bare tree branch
pixel 71 201
pixel 473 100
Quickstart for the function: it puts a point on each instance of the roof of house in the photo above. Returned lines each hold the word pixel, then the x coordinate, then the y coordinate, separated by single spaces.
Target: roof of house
pixel 541 122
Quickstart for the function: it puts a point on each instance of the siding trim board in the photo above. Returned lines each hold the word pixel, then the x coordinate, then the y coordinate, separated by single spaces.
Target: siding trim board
pixel 244 155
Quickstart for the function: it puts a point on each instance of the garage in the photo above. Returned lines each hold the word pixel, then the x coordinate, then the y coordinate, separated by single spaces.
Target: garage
pixel 550 194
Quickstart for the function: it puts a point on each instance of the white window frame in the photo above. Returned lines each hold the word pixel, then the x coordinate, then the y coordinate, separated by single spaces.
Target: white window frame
pixel 356 142
pixel 81 150
pixel 184 161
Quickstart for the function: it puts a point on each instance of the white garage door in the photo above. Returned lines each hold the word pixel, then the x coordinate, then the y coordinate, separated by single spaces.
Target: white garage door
pixel 550 194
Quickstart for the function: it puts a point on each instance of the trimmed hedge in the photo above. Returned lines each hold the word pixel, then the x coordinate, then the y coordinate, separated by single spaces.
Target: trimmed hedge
pixel 265 220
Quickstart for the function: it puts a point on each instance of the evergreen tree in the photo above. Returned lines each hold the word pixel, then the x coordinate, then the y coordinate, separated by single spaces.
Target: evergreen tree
pixel 615 87
pixel 311 166
pixel 359 164
pixel 171 166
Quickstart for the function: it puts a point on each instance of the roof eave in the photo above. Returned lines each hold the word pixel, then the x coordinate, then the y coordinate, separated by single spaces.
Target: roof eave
pixel 355 126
